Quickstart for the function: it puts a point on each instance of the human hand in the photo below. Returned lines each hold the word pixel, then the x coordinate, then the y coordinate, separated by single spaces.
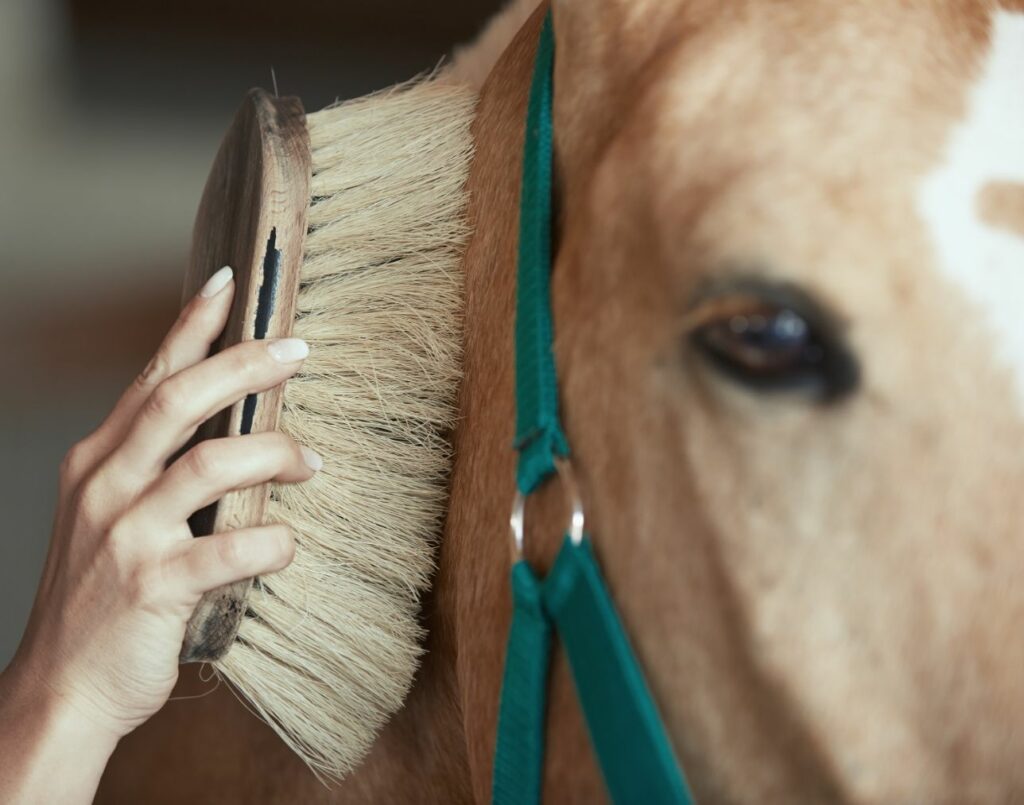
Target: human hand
pixel 124 574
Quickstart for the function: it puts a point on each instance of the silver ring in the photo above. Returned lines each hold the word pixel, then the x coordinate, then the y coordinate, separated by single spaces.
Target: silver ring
pixel 572 496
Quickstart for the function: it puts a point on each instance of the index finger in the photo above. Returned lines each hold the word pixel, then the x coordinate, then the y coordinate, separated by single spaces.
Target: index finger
pixel 187 343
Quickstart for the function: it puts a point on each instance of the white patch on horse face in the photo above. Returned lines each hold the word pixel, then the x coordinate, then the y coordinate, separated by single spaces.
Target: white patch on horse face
pixel 987 146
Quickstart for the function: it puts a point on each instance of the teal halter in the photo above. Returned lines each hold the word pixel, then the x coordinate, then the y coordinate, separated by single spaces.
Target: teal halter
pixel 630 742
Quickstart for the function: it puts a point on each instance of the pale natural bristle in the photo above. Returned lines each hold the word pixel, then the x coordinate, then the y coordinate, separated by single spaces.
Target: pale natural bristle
pixel 331 643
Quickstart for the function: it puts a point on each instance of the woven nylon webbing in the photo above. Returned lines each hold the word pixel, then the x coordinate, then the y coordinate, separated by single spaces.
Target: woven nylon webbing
pixel 539 436
pixel 630 742
pixel 519 755
pixel 632 747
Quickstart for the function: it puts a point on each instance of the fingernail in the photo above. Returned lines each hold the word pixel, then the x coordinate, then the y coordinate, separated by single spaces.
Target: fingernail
pixel 312 458
pixel 215 284
pixel 288 350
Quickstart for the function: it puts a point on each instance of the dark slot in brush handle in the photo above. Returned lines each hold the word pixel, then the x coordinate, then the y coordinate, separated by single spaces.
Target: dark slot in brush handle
pixel 252 216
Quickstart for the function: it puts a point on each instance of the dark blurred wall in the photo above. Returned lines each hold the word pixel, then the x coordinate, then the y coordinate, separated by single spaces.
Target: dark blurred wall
pixel 112 113
pixel 319 49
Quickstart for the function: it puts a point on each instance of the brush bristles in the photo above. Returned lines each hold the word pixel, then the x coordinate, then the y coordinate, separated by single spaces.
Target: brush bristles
pixel 330 644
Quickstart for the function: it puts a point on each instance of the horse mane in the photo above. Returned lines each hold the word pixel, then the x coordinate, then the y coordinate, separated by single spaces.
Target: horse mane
pixel 473 62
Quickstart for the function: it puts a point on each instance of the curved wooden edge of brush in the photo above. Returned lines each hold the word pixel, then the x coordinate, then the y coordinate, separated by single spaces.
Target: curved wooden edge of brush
pixel 252 217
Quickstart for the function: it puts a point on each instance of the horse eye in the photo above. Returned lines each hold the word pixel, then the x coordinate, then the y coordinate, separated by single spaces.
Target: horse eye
pixel 774 339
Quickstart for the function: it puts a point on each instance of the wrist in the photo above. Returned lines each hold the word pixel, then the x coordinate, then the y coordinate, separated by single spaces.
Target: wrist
pixel 49 749
pixel 26 696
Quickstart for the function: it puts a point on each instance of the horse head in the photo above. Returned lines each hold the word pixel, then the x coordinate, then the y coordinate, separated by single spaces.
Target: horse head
pixel 787 298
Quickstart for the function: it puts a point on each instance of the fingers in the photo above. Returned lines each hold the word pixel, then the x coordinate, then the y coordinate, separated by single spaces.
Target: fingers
pixel 191 336
pixel 187 343
pixel 195 566
pixel 171 414
pixel 215 467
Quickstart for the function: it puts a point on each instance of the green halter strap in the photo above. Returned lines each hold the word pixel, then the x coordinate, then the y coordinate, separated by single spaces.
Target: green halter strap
pixel 628 737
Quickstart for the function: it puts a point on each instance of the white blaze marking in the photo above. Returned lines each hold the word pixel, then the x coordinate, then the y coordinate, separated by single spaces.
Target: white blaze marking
pixel 988 146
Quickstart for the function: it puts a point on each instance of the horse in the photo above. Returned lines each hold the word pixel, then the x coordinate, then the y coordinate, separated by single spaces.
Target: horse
pixel 789 260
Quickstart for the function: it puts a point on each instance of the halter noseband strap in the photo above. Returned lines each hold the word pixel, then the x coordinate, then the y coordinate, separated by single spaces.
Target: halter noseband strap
pixel 630 742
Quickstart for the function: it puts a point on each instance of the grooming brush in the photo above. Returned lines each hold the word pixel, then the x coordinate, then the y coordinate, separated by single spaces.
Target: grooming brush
pixel 345 227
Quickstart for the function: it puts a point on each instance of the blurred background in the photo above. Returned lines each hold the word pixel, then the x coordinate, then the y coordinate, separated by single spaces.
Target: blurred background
pixel 112 113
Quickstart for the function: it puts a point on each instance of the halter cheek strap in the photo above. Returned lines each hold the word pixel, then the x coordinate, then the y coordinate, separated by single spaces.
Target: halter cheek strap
pixel 572 602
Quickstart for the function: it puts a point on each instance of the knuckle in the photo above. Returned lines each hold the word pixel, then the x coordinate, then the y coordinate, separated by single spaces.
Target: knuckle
pixel 120 535
pixel 168 400
pixel 141 583
pixel 205 460
pixel 92 501
pixel 231 554
pixel 243 363
pixel 117 553
pixel 156 370
pixel 103 495
pixel 73 465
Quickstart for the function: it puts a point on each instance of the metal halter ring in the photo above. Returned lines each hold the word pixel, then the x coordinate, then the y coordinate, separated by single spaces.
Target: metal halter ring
pixel 572 496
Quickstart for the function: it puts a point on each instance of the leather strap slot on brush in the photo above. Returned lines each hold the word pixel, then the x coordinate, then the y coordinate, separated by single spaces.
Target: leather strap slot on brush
pixel 573 602
pixel 252 217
